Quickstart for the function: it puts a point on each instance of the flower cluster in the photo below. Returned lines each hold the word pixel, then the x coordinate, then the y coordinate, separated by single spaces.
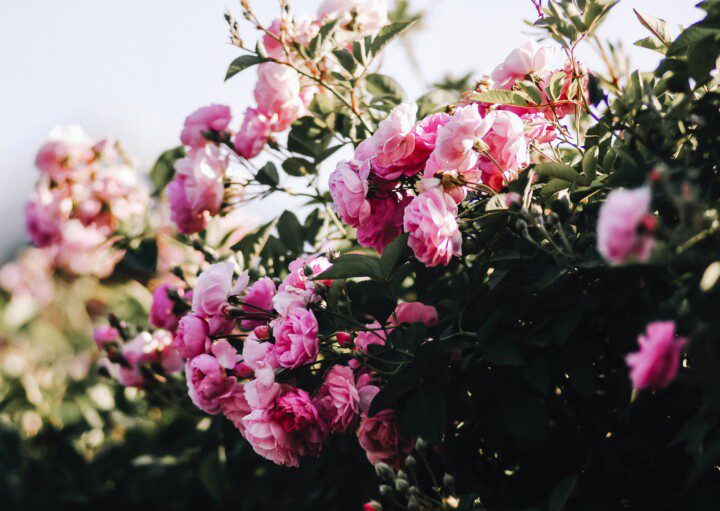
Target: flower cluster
pixel 411 175
pixel 88 193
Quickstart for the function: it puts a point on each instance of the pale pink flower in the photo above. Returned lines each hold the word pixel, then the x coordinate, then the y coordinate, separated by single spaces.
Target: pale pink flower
pixel 208 383
pixel 529 58
pixel 69 148
pixel 253 135
pixel 86 250
pixel 192 336
pixel 226 355
pixel 361 17
pixel 45 214
pixel 338 400
pixel 382 440
pixel 393 141
pixel 297 290
pixel 196 192
pixel 506 149
pixel 212 289
pixel 431 220
pixel 235 407
pixel 414 312
pixel 257 355
pixel 625 225
pixel 656 364
pixel 455 145
pixel 277 94
pixel 384 223
pixel 296 338
pixel 538 128
pixel 258 303
pixel 261 391
pixel 300 30
pixel 209 118
pixel 348 189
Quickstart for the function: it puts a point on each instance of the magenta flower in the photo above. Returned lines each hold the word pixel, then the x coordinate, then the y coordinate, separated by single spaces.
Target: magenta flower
pixel 209 118
pixel 624 228
pixel 192 336
pixel 296 338
pixel 657 362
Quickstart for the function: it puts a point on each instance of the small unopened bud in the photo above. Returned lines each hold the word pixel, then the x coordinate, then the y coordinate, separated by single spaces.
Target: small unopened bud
pixel 402 485
pixel 178 272
pixel 383 470
pixel 648 224
pixel 449 482
pixel 420 445
pixel 402 474
pixel 480 146
pixel 410 462
pixel 343 338
pixel 413 504
pixel 373 505
pixel 262 332
pixel 385 490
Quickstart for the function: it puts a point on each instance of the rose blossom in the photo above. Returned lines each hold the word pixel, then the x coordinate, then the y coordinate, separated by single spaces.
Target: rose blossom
pixel 529 58
pixel 253 135
pixel 258 303
pixel 384 223
pixel 624 228
pixel 277 94
pixel 146 348
pixel 338 399
pixel 162 313
pixel 349 189
pixel 414 312
pixel 375 335
pixel 235 407
pixel 212 289
pixel 261 391
pixel 208 383
pixel 69 148
pixel 45 214
pixel 289 429
pixel 208 118
pixel 382 440
pixel 86 250
pixel 431 221
pixel 366 17
pixel 297 290
pixel 393 141
pixel 192 336
pixel 104 335
pixel 298 29
pixel 656 364
pixel 296 338
pixel 257 355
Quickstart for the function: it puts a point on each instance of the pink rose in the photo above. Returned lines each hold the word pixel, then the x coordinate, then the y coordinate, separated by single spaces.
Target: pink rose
pixel 414 312
pixel 338 399
pixel 301 31
pixel 507 151
pixel 455 144
pixel 297 290
pixel 196 192
pixel 69 148
pixel 538 128
pixel 257 355
pixel 362 17
pixel 162 313
pixel 288 430
pixel 226 355
pixel 261 391
pixel 374 335
pixel 657 362
pixel 86 250
pixel 45 214
pixel 393 141
pixel 529 58
pixel 258 303
pixel 625 226
pixel 277 94
pixel 212 289
pixel 209 118
pixel 208 383
pixel 349 189
pixel 296 338
pixel 253 135
pixel 431 220
pixel 104 335
pixel 384 223
pixel 235 407
pixel 192 336
pixel 147 349
pixel 382 440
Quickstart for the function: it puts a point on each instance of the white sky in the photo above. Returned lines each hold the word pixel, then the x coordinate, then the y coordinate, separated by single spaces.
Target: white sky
pixel 136 68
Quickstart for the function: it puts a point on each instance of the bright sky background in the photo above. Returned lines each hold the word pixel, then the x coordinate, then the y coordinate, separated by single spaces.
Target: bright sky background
pixel 136 68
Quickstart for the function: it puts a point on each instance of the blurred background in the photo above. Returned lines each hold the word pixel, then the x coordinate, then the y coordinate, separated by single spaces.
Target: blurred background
pixel 136 68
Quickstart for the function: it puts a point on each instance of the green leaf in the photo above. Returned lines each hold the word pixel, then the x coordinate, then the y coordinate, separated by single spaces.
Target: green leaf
pixel 388 33
pixel 253 244
pixel 435 101
pixel 142 258
pixel 702 58
pixel 651 43
pixel 164 169
pixel 532 91
pixel 291 232
pixel 351 266
pixel 383 85
pixel 502 353
pixel 560 171
pixel 554 88
pixel 689 37
pixel 392 254
pixel 562 493
pixel 268 175
pixel 658 27
pixel 501 97
pixel 424 414
pixel 241 63
pixel 407 379
pixel 298 167
pixel 589 163
pixel 346 59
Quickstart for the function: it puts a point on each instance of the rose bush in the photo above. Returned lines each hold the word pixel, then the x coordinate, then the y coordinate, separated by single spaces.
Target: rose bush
pixel 505 294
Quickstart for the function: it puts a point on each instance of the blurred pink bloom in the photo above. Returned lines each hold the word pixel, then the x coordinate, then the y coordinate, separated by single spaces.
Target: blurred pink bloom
pixel 361 17
pixel 277 94
pixel 45 214
pixel 625 226
pixel 104 335
pixel 212 289
pixel 382 440
pixel 69 148
pixel 162 310
pixel 253 135
pixel 656 364
pixel 208 118
pixel 146 348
